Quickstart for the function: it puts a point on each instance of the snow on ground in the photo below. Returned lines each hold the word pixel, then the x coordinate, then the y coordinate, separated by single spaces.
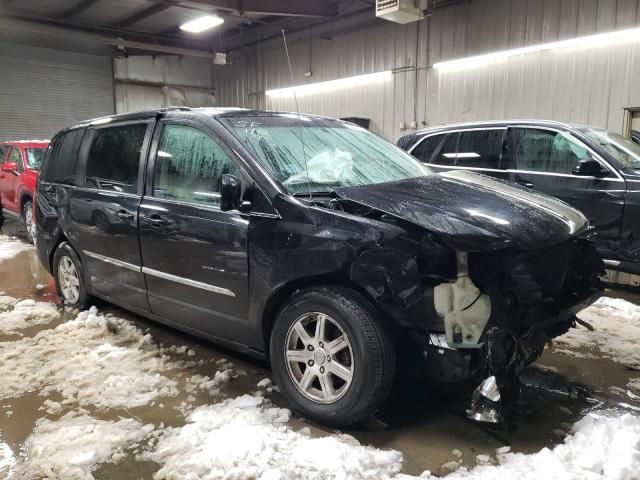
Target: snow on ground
pixel 74 445
pixel 602 447
pixel 11 246
pixel 17 315
pixel 7 460
pixel 92 360
pixel 247 438
pixel 617 331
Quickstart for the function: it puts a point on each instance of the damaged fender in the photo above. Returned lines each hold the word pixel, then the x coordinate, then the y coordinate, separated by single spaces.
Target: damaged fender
pixel 390 277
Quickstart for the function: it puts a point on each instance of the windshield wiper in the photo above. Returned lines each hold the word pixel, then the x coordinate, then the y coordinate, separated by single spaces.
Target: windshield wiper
pixel 314 194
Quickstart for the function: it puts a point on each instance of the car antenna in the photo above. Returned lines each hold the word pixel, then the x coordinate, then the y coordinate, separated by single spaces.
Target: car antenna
pixel 295 98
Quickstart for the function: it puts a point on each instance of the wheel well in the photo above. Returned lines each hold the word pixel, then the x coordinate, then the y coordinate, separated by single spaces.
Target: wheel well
pixel 278 299
pixel 53 250
pixel 23 199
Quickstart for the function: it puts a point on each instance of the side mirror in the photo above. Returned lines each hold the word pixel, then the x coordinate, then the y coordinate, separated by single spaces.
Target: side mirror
pixel 10 167
pixel 589 168
pixel 229 192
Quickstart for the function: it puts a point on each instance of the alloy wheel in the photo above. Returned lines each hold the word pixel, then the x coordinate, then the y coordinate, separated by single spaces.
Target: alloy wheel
pixel 319 357
pixel 28 222
pixel 68 280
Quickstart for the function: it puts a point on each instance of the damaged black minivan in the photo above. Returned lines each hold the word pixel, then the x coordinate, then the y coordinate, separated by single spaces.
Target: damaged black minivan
pixel 314 243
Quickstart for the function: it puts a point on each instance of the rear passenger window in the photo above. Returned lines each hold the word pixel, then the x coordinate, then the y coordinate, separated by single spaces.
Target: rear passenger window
pixel 447 154
pixel 540 150
pixel 480 149
pixel 189 165
pixel 62 158
pixel 426 148
pixel 114 158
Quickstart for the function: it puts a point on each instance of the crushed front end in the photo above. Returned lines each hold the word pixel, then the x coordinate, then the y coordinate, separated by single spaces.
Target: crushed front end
pixel 496 316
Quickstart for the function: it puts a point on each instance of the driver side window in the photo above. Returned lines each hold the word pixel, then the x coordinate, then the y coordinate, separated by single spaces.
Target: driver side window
pixel 541 150
pixel 16 157
pixel 189 166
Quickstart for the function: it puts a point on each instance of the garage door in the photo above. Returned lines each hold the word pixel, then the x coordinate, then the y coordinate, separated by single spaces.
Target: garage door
pixel 42 90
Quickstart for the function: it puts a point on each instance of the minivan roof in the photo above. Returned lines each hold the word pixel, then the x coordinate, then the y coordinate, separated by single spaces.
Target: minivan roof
pixel 499 123
pixel 209 111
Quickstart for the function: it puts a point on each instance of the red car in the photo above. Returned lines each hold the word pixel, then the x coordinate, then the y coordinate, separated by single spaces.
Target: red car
pixel 19 164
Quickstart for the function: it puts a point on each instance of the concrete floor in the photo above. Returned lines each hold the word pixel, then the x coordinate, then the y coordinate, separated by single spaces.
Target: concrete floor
pixel 426 423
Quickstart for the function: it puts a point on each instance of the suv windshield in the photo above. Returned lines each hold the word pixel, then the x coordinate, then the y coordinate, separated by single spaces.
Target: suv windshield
pixel 622 149
pixel 337 154
pixel 35 156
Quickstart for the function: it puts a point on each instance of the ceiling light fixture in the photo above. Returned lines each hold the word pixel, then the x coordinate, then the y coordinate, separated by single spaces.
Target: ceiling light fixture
pixel 330 85
pixel 591 41
pixel 201 24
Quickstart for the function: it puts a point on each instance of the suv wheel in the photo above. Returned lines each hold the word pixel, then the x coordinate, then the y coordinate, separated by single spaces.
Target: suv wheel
pixel 27 220
pixel 68 274
pixel 331 356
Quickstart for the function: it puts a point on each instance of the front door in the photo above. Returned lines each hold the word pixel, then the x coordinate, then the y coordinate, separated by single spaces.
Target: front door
pixel 194 255
pixel 104 210
pixel 544 160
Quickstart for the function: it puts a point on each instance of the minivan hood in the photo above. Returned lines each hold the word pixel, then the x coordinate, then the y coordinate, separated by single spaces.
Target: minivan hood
pixel 471 212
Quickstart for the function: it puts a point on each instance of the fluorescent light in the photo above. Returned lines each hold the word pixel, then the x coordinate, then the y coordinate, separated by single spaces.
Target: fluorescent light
pixel 201 24
pixel 330 85
pixel 591 41
pixel 461 155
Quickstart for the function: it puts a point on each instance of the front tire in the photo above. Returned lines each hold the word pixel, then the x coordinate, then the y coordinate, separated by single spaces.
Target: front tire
pixel 69 277
pixel 27 220
pixel 331 356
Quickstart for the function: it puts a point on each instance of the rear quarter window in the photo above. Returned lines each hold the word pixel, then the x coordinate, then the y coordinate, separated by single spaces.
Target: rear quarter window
pixel 61 161
pixel 425 150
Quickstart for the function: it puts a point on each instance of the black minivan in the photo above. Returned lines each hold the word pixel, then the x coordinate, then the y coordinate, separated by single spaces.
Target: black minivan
pixel 590 168
pixel 314 243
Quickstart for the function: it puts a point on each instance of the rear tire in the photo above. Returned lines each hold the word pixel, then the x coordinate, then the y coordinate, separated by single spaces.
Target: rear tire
pixel 69 277
pixel 27 220
pixel 331 356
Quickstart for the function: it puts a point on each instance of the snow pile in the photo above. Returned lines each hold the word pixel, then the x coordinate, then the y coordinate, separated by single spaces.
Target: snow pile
pixel 24 314
pixel 7 460
pixel 74 445
pixel 94 359
pixel 204 382
pixel 11 246
pixel 601 448
pixel 617 331
pixel 246 438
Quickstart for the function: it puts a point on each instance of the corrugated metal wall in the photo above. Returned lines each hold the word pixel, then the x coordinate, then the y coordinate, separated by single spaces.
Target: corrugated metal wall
pixel 45 90
pixel 143 82
pixel 584 85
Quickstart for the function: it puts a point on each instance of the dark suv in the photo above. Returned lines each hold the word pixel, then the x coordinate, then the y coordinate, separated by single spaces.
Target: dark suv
pixel 594 170
pixel 314 243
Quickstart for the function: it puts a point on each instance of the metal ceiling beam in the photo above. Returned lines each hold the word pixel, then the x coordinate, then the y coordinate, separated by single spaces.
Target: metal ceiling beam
pixel 145 13
pixel 10 22
pixel 78 8
pixel 284 8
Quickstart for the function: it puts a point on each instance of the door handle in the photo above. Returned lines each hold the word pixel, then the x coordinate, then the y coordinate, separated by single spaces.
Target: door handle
pixel 525 183
pixel 155 221
pixel 124 215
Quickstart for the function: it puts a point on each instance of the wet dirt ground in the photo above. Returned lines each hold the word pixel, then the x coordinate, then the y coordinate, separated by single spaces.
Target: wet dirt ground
pixel 424 422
